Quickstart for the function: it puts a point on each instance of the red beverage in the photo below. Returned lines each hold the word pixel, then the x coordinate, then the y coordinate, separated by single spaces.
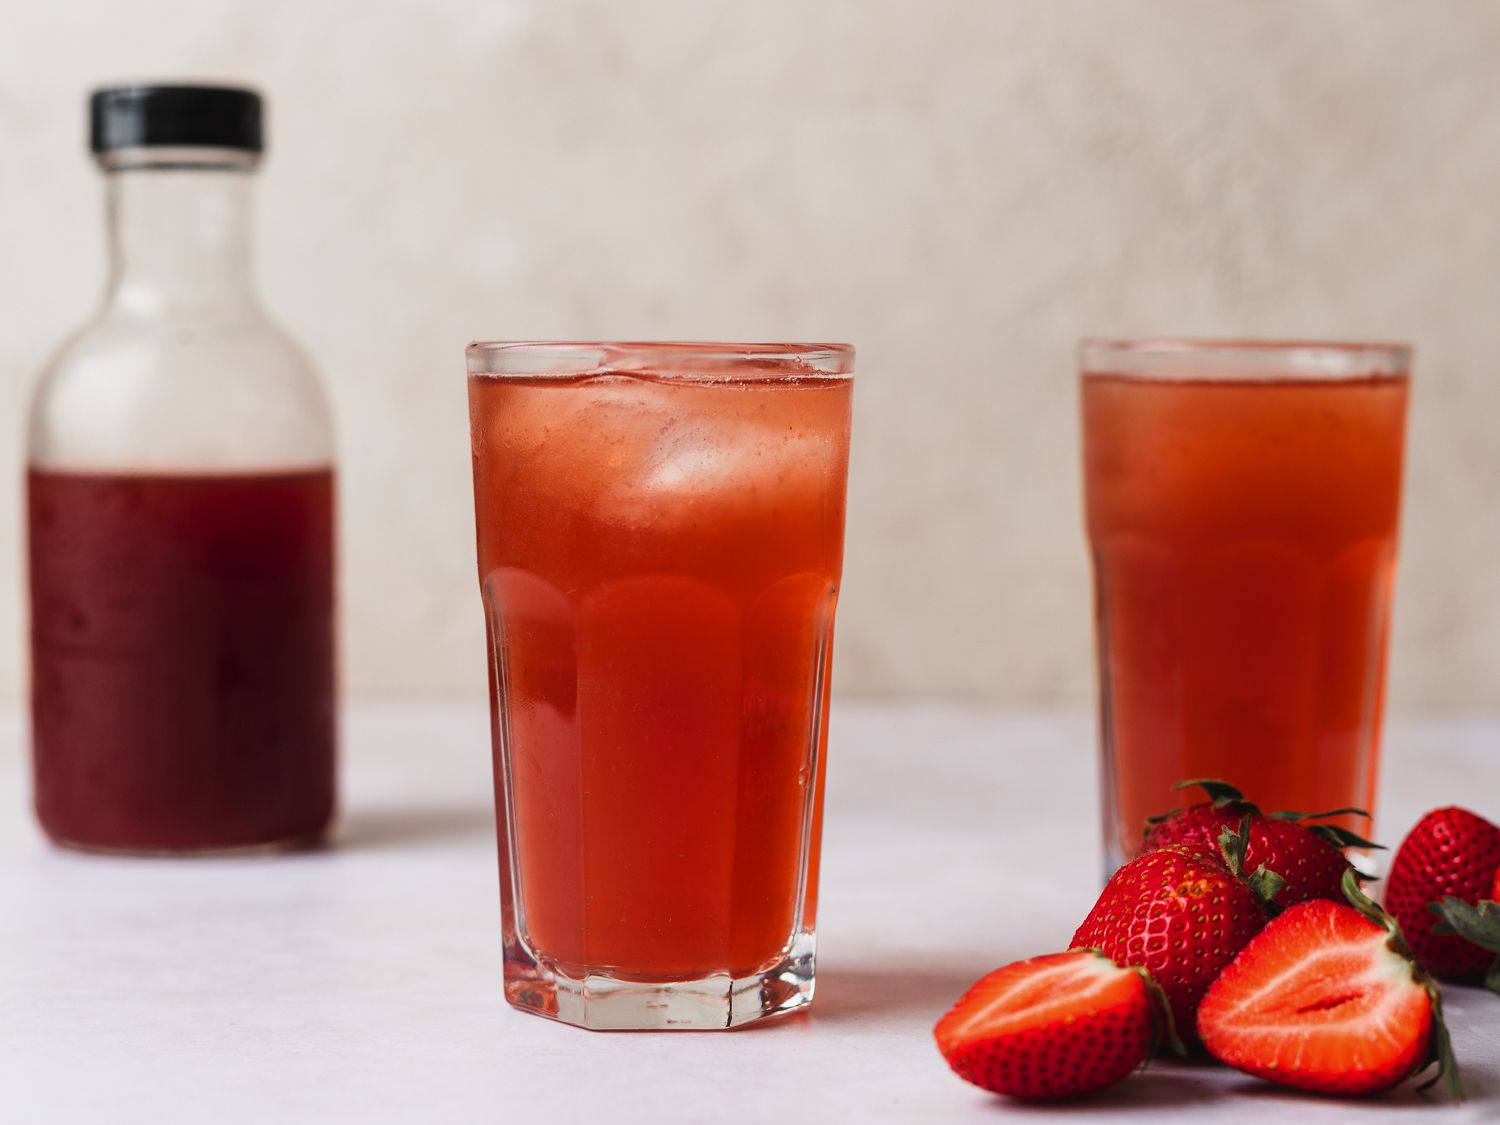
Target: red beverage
pixel 1244 538
pixel 182 658
pixel 660 559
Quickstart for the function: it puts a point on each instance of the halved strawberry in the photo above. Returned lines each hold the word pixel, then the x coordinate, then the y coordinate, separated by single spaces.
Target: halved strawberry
pixel 1308 856
pixel 1327 998
pixel 1052 1027
pixel 1451 852
pixel 1179 915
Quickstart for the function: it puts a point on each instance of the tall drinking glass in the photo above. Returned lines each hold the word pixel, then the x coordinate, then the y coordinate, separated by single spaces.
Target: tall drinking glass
pixel 1242 503
pixel 660 534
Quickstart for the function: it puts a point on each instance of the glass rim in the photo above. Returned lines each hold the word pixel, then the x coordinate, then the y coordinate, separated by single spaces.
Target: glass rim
pixel 1168 357
pixel 682 358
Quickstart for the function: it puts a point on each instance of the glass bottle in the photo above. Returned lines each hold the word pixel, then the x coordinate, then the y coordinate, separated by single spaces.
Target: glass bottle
pixel 180 516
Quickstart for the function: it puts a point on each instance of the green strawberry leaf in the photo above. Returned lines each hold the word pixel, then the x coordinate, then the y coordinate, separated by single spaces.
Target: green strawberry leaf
pixel 1219 793
pixel 1342 837
pixel 1337 836
pixel 1266 884
pixel 1287 814
pixel 1153 821
pixel 1478 924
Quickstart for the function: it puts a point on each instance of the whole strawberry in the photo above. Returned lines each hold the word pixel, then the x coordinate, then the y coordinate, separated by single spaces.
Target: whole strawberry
pixel 1052 1027
pixel 1181 916
pixel 1451 853
pixel 1309 857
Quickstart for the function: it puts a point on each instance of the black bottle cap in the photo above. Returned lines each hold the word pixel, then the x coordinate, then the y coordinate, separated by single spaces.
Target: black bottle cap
pixel 175 116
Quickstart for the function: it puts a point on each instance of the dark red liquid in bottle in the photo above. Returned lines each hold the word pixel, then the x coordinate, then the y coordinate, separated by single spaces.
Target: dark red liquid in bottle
pixel 182 658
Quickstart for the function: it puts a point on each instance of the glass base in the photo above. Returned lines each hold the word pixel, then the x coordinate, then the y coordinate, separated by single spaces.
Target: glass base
pixel 300 843
pixel 718 1002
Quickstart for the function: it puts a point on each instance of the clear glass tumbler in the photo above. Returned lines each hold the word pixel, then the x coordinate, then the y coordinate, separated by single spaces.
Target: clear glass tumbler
pixel 660 539
pixel 1242 502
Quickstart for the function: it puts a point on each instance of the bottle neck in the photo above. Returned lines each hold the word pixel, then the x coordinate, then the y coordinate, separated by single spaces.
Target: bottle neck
pixel 179 232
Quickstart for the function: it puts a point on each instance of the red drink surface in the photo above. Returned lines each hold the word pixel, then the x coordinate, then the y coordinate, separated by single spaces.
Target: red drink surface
pixel 660 560
pixel 182 658
pixel 1244 539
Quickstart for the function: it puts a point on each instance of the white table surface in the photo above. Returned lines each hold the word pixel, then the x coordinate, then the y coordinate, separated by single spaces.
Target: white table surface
pixel 362 983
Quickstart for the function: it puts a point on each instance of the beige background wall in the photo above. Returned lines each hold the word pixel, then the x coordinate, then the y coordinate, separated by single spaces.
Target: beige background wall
pixel 960 187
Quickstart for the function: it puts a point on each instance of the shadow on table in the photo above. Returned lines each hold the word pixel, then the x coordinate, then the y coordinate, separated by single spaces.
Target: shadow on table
pixel 862 991
pixel 1150 1089
pixel 1479 1095
pixel 402 826
pixel 1199 1082
pixel 1403 1100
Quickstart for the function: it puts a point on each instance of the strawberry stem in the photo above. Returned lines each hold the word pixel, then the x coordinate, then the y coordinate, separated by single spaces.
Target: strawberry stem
pixel 1264 883
pixel 1372 910
pixel 1232 846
